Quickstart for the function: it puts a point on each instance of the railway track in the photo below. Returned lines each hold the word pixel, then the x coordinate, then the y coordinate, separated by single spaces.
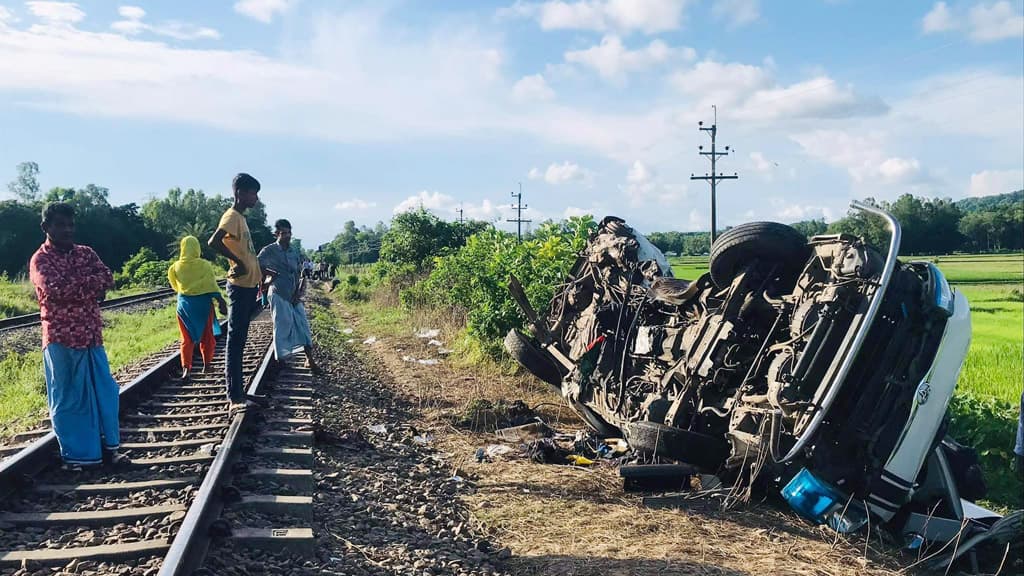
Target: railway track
pixel 156 515
pixel 26 320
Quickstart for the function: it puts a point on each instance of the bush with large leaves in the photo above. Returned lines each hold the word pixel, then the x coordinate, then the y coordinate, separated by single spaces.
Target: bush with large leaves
pixel 473 280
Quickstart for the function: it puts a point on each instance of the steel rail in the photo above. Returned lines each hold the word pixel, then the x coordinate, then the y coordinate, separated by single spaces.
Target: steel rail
pixel 862 330
pixel 188 550
pixel 18 468
pixel 26 320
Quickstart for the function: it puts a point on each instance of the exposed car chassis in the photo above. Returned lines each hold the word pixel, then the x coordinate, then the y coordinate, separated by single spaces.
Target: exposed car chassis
pixel 820 367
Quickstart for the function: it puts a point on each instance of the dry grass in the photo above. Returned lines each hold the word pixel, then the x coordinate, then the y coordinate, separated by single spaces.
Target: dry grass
pixel 574 521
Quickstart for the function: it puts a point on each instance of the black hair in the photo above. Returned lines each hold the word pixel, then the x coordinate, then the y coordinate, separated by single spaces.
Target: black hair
pixel 54 209
pixel 243 182
pixel 282 223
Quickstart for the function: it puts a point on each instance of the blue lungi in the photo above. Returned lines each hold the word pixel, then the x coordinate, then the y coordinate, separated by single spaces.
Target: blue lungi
pixel 83 401
pixel 291 327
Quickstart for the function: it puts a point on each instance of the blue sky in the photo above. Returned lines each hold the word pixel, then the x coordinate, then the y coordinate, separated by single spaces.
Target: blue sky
pixel 353 110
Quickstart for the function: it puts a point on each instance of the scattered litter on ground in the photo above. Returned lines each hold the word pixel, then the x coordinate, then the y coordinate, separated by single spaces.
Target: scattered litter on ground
pixel 378 429
pixel 525 432
pixel 347 331
pixel 423 439
pixel 577 460
pixel 428 333
pixel 445 351
pixel 435 343
pixel 370 341
pixel 424 361
pixel 349 341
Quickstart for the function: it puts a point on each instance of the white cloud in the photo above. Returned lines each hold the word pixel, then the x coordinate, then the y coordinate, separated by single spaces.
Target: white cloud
pixel 354 204
pixel 57 12
pixel 131 12
pixel 989 182
pixel 263 10
pixel 639 173
pixel 760 163
pixel 938 19
pixel 737 12
pixel 897 169
pixel 765 168
pixel 982 23
pixel 799 212
pixel 644 186
pixel 532 88
pixel 355 82
pixel 571 211
pixel 997 21
pixel 560 173
pixel 446 206
pixel 750 92
pixel 613 61
pixel 425 199
pixel 862 156
pixel 991 104
pixel 648 16
pixel 6 16
pixel 133 24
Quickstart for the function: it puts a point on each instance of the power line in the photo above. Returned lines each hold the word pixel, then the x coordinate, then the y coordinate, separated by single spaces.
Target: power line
pixel 519 207
pixel 713 177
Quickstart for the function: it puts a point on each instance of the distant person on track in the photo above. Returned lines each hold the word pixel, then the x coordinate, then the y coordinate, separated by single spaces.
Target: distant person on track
pixel 281 263
pixel 70 282
pixel 192 278
pixel 233 241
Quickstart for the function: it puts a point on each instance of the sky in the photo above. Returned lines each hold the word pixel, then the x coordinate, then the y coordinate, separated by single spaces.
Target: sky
pixel 357 110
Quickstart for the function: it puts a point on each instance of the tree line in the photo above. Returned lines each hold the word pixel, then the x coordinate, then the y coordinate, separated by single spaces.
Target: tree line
pixel 120 235
pixel 929 226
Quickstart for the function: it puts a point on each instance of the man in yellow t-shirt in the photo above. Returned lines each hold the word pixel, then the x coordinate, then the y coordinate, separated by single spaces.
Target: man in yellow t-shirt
pixel 232 240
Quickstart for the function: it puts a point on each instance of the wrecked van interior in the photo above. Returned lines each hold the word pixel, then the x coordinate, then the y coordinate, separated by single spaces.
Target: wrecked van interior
pixel 819 369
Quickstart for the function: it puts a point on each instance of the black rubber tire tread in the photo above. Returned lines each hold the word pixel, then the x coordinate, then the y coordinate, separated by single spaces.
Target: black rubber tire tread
pixel 757 241
pixel 703 451
pixel 594 422
pixel 524 350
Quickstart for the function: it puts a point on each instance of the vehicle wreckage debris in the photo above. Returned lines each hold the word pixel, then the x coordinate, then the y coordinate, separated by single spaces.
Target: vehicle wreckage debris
pixel 818 370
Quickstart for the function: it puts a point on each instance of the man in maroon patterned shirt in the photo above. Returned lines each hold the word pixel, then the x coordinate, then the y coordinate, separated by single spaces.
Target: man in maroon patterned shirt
pixel 70 281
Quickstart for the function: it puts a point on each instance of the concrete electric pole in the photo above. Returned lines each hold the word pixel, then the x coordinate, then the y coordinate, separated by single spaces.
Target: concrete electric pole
pixel 713 177
pixel 519 207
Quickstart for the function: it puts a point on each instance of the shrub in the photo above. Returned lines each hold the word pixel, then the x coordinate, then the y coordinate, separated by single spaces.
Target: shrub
pixel 473 280
pixel 990 425
pixel 152 274
pixel 144 269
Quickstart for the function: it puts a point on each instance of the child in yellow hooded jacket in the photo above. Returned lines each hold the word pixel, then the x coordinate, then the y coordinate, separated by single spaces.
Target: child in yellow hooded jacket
pixel 192 278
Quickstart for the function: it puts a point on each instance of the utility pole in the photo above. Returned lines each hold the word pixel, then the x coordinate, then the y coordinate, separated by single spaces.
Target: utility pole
pixel 713 177
pixel 460 213
pixel 519 207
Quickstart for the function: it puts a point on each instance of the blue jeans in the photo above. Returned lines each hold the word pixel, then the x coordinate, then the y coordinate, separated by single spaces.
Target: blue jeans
pixel 243 308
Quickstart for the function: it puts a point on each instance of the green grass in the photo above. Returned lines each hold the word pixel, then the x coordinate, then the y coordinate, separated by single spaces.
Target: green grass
pixel 19 297
pixel 127 338
pixel 16 298
pixel 995 360
pixel 688 267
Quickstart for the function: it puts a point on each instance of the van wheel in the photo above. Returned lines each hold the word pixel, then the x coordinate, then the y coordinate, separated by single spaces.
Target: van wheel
pixel 766 241
pixel 531 356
